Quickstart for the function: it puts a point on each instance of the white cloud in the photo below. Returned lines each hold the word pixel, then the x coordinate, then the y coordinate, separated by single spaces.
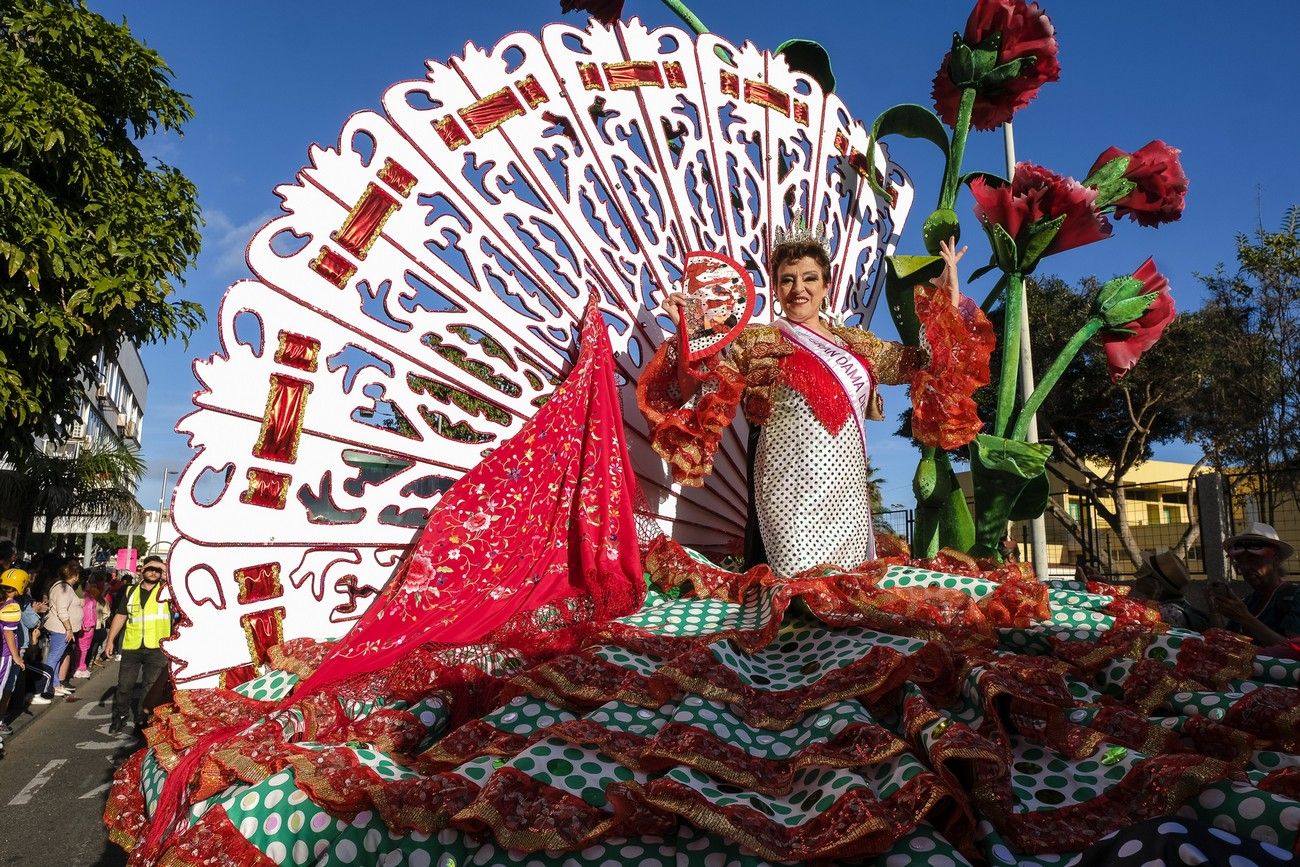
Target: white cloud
pixel 224 243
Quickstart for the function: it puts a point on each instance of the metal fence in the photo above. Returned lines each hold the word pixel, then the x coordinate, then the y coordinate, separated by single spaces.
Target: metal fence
pixel 1168 514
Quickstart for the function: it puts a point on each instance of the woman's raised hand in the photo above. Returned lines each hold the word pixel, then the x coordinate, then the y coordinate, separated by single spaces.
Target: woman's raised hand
pixel 673 304
pixel 949 279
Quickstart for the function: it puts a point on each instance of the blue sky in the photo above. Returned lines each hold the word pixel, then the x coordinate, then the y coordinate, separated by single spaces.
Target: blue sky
pixel 267 80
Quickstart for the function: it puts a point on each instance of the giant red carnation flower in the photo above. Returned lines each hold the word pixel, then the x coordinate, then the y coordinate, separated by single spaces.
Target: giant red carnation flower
pixel 604 11
pixel 1124 349
pixel 1026 32
pixel 1034 197
pixel 1161 190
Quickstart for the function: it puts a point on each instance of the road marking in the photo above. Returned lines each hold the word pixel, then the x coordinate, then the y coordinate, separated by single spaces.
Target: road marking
pixel 84 712
pixel 95 791
pixel 42 777
pixel 102 745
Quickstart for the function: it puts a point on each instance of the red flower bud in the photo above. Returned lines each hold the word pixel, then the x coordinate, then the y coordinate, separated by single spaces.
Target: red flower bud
pixel 1026 34
pixel 1160 190
pixel 1124 348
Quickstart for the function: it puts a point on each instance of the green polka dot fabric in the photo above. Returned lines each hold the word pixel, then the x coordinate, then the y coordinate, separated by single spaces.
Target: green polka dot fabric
pixel 563 746
pixel 272 686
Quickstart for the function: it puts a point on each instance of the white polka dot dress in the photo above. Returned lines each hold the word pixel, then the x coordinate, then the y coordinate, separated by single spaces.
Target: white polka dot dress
pixel 810 490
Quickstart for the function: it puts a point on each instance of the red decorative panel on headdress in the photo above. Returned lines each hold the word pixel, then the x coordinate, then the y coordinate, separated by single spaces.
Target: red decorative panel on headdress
pixel 362 227
pixel 298 350
pixel 673 72
pixel 491 111
pixel 760 93
pixel 633 73
pixel 233 677
pixel 333 267
pixel 451 132
pixel 841 141
pixel 397 177
pixel 282 423
pixel 801 112
pixel 263 630
pixel 590 75
pixel 532 91
pixel 730 83
pixel 259 583
pixel 266 488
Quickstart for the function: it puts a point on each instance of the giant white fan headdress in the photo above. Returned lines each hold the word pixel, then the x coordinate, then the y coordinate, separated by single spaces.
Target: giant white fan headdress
pixel 417 301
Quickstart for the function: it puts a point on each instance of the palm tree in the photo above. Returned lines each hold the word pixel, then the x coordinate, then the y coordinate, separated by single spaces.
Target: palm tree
pixel 98 481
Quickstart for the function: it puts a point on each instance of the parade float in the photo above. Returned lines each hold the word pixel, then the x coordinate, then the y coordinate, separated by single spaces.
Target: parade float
pixel 457 585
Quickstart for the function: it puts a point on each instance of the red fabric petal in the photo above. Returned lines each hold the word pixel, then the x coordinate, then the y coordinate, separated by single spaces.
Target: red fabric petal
pixel 1026 31
pixel 1124 350
pixel 1037 194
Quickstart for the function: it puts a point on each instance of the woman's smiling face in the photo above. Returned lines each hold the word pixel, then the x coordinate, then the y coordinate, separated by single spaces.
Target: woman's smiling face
pixel 801 288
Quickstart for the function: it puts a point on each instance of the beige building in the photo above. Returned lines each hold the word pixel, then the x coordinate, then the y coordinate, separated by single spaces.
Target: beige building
pixel 1156 495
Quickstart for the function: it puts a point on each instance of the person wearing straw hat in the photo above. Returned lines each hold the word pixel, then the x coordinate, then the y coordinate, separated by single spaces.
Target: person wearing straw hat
pixel 1270 613
pixel 1163 579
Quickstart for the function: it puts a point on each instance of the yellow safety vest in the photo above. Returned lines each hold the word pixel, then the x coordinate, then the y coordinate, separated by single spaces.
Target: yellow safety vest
pixel 146 625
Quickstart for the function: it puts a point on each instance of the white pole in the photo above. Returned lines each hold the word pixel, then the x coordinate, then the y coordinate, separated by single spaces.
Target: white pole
pixel 162 497
pixel 1037 527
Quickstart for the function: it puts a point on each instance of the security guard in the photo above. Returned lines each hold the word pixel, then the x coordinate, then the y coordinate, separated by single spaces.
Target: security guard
pixel 147 620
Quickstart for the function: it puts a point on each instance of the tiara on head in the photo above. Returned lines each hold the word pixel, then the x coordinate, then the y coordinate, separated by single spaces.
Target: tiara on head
pixel 800 231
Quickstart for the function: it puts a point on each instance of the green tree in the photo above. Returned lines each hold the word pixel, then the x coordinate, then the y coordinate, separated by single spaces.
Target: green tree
pixel 98 481
pixel 93 238
pixel 1255 425
pixel 1102 430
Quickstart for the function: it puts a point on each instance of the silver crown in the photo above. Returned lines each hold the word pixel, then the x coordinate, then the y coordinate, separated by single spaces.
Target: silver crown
pixel 800 231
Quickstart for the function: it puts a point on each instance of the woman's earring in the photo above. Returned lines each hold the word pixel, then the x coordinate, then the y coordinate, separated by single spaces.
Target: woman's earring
pixel 776 305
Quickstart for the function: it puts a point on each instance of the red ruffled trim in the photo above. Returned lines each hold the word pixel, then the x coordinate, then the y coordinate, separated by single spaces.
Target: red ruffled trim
pixel 961 341
pixel 688 438
pixel 212 840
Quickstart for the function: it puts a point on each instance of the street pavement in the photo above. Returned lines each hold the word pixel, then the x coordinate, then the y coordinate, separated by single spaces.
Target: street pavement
pixel 54 780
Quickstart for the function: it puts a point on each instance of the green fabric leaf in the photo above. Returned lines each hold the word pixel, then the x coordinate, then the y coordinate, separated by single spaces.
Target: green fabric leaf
pixel 1004 247
pixel 1124 312
pixel 1116 290
pixel 810 58
pixel 1032 500
pixel 1002 471
pixel 910 121
pixel 1041 235
pixel 1013 457
pixel 902 274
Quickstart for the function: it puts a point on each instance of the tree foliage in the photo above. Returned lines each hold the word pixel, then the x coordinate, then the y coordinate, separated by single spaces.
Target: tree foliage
pixel 97 481
pixel 1102 430
pixel 93 237
pixel 1255 425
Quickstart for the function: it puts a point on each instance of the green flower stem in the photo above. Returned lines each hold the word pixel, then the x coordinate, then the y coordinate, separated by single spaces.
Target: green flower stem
pixel 952 172
pixel 993 295
pixel 1049 379
pixel 687 15
pixel 1010 353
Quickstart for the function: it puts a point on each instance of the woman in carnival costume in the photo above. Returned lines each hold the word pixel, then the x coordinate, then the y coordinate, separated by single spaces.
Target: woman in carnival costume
pixel 808 386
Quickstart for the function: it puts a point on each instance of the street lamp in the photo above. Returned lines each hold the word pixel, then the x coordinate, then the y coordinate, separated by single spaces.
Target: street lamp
pixel 162 497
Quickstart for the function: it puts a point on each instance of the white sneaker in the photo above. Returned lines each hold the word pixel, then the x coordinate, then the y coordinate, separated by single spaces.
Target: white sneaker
pixel 63 690
pixel 81 674
pixel 40 699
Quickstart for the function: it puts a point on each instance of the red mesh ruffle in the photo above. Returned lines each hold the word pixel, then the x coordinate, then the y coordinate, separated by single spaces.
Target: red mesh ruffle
pixel 961 340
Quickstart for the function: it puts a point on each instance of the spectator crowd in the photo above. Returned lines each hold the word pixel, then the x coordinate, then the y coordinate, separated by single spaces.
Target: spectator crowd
pixel 56 625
